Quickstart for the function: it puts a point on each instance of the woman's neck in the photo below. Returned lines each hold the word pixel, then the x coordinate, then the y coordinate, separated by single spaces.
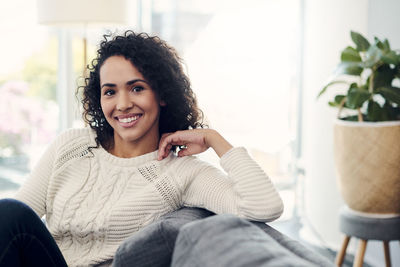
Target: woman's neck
pixel 132 149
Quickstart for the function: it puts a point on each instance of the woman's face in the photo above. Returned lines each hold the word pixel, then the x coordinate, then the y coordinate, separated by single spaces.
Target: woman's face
pixel 129 104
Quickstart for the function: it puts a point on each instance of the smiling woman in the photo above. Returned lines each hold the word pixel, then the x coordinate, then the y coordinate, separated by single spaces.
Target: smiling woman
pixel 100 185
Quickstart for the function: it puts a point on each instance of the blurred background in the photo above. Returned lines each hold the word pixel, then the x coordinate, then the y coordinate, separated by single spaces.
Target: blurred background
pixel 256 67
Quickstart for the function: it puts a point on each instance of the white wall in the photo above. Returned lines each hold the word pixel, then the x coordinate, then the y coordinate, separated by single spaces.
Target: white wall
pixel 384 20
pixel 327 32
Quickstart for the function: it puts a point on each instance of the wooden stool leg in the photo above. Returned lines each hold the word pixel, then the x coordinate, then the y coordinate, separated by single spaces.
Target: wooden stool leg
pixel 358 261
pixel 342 253
pixel 387 253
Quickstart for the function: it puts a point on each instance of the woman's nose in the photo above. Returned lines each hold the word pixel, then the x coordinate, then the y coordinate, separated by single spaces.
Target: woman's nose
pixel 124 102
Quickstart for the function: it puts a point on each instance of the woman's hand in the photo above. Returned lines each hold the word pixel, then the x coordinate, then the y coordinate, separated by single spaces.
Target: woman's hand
pixel 194 141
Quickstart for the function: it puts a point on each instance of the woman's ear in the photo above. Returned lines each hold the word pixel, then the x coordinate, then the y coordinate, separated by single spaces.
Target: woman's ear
pixel 162 103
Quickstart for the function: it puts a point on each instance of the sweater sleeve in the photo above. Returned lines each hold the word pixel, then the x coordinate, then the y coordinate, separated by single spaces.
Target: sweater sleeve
pixel 244 190
pixel 33 191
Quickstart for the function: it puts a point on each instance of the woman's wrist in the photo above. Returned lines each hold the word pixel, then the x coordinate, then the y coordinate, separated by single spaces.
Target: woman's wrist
pixel 217 142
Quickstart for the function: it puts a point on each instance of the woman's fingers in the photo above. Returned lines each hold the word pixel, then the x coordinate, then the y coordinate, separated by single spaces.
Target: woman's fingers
pixel 193 140
pixel 167 141
pixel 163 146
pixel 191 149
pixel 183 152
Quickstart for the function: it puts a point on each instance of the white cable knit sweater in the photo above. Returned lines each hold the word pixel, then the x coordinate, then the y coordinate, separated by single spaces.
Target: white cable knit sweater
pixel 93 200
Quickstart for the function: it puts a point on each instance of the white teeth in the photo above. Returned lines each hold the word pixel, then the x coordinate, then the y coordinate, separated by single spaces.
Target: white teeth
pixel 127 120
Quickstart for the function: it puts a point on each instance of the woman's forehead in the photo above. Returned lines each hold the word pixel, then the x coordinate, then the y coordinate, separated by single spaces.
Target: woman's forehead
pixel 118 68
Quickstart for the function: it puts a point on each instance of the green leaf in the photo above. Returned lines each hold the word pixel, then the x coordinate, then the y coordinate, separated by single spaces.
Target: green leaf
pixel 392 113
pixel 337 101
pixel 390 58
pixel 350 54
pixel 386 45
pixel 390 93
pixel 332 104
pixel 373 55
pixel 329 84
pixel 350 68
pixel 360 41
pixel 384 76
pixel 375 112
pixel 356 97
pixel 378 43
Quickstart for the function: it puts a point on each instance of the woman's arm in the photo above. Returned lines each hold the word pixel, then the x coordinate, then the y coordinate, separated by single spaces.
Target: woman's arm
pixel 33 191
pixel 244 190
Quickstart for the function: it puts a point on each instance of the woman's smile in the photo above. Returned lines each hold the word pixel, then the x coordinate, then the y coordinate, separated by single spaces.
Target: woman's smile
pixel 128 120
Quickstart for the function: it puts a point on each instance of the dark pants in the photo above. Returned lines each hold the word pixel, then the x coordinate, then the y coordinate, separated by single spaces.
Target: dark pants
pixel 24 239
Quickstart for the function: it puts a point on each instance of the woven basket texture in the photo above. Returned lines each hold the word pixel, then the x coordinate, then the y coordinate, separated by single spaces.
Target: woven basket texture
pixel 368 167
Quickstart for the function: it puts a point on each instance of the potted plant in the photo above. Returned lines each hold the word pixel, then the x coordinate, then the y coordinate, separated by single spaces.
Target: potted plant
pixel 367 131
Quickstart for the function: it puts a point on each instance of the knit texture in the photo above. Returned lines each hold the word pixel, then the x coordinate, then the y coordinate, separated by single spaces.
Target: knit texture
pixel 94 200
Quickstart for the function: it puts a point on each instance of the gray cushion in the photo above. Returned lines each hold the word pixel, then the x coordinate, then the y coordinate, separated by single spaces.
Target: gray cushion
pixel 228 241
pixel 154 244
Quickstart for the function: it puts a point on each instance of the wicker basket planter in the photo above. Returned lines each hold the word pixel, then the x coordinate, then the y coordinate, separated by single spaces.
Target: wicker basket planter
pixel 367 157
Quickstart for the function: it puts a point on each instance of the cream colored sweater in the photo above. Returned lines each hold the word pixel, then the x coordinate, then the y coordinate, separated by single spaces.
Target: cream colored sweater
pixel 93 200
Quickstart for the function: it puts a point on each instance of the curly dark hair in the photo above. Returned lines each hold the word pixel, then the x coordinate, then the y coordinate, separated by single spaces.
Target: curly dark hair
pixel 161 66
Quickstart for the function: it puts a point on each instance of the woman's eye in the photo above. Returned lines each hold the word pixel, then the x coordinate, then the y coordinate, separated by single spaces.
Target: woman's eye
pixel 137 89
pixel 109 92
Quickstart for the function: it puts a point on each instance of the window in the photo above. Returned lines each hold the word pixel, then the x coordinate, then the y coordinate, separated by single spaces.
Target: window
pixel 28 81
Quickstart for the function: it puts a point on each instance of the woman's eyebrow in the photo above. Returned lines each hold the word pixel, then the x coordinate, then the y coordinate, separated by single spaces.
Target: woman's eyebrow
pixel 135 81
pixel 127 83
pixel 108 85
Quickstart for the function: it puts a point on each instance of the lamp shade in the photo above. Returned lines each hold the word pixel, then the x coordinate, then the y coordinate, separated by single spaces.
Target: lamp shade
pixel 70 12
